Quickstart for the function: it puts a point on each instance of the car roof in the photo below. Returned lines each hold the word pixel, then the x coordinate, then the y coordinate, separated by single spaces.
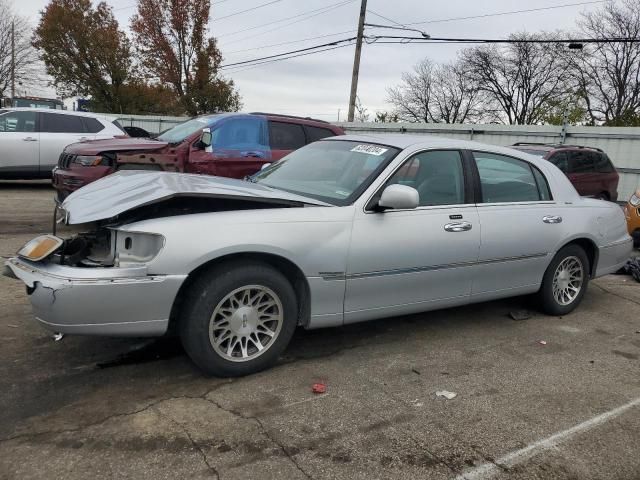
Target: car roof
pixel 404 141
pixel 63 112
pixel 273 116
pixel 548 147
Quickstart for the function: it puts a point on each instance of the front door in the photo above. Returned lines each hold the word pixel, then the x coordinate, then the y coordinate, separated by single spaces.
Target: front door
pixel 238 148
pixel 19 143
pixel 521 226
pixel 404 261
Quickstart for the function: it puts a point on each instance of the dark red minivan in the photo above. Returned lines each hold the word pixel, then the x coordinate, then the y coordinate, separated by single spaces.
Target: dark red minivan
pixel 227 144
pixel 588 168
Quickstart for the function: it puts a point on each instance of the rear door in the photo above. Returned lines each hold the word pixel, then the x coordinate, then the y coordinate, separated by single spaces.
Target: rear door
pixel 285 137
pixel 19 143
pixel 582 172
pixel 57 130
pixel 520 226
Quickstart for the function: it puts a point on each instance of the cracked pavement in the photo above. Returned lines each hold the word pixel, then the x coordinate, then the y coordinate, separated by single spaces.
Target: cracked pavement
pixel 106 408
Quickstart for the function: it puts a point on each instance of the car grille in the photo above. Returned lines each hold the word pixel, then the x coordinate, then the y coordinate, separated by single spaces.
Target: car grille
pixel 65 160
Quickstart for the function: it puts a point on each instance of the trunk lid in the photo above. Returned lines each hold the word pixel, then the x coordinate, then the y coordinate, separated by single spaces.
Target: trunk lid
pixel 129 189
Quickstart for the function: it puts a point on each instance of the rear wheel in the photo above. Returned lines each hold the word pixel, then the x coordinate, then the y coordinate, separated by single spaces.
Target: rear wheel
pixel 238 318
pixel 603 196
pixel 565 281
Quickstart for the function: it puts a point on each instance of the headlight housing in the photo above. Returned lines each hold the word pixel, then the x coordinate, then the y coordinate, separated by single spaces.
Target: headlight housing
pixel 635 199
pixel 134 248
pixel 40 247
pixel 88 160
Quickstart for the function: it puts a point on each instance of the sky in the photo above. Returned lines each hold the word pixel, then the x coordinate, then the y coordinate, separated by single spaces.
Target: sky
pixel 318 85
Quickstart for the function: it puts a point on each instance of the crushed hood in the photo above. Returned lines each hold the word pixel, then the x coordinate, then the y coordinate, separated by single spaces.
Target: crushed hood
pixel 94 147
pixel 128 189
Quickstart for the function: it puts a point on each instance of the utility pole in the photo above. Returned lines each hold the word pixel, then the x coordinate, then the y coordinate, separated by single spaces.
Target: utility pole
pixel 13 61
pixel 356 62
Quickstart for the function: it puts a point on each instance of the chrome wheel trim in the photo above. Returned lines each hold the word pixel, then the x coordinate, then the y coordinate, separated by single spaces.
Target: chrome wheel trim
pixel 245 323
pixel 568 280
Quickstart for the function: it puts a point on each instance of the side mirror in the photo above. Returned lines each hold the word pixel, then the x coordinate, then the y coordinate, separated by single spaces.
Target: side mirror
pixel 205 138
pixel 399 197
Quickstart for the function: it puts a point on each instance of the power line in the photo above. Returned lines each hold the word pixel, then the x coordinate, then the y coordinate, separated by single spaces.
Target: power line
pixel 388 39
pixel 307 14
pixel 287 58
pixel 245 11
pixel 289 42
pixel 391 39
pixel 244 62
pixel 385 18
pixel 497 14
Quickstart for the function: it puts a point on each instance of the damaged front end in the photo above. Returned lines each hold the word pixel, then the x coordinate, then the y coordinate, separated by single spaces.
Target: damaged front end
pixel 92 279
pixel 92 275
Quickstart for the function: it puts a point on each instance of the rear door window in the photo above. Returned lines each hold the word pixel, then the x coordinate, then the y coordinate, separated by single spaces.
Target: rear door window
pixel 603 164
pixel 581 162
pixel 19 122
pixel 506 179
pixel 560 160
pixel 60 123
pixel 286 136
pixel 92 125
pixel 317 133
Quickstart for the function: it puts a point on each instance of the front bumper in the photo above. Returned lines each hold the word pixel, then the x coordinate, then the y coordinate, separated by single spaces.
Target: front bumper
pixel 98 301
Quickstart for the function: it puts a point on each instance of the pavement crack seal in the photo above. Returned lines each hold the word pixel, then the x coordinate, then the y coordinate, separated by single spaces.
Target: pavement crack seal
pixel 264 431
pixel 195 444
pixel 109 417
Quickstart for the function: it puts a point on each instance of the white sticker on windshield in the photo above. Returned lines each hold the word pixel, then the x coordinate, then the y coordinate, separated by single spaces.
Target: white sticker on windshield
pixel 369 149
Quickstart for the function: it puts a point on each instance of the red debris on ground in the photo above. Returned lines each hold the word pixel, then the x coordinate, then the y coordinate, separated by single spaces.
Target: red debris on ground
pixel 319 388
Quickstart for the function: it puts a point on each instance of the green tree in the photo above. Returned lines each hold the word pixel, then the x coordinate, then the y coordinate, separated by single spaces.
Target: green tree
pixel 85 52
pixel 171 39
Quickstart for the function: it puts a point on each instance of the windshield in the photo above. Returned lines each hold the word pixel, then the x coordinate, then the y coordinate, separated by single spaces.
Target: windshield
pixel 335 172
pixel 185 129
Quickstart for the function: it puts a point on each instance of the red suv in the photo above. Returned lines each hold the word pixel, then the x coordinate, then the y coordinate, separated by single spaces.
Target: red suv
pixel 588 168
pixel 227 144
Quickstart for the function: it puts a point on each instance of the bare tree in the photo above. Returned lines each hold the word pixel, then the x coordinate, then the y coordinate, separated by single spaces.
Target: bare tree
pixel 362 114
pixel 412 100
pixel 26 58
pixel 518 79
pixel 607 75
pixel 455 95
pixel 435 93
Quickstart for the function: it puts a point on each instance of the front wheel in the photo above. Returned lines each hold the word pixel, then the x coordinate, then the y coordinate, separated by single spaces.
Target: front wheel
pixel 565 281
pixel 238 318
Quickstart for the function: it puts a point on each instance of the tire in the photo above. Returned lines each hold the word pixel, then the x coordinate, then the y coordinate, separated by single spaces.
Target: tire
pixel 245 297
pixel 139 166
pixel 563 303
pixel 603 196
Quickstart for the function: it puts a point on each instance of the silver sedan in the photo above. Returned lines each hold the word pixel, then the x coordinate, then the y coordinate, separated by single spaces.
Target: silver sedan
pixel 344 230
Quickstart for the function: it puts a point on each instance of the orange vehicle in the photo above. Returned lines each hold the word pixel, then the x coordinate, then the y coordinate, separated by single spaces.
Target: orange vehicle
pixel 632 214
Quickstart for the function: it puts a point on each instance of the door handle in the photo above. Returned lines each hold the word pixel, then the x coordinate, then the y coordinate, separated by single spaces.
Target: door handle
pixel 252 154
pixel 552 219
pixel 30 139
pixel 457 227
